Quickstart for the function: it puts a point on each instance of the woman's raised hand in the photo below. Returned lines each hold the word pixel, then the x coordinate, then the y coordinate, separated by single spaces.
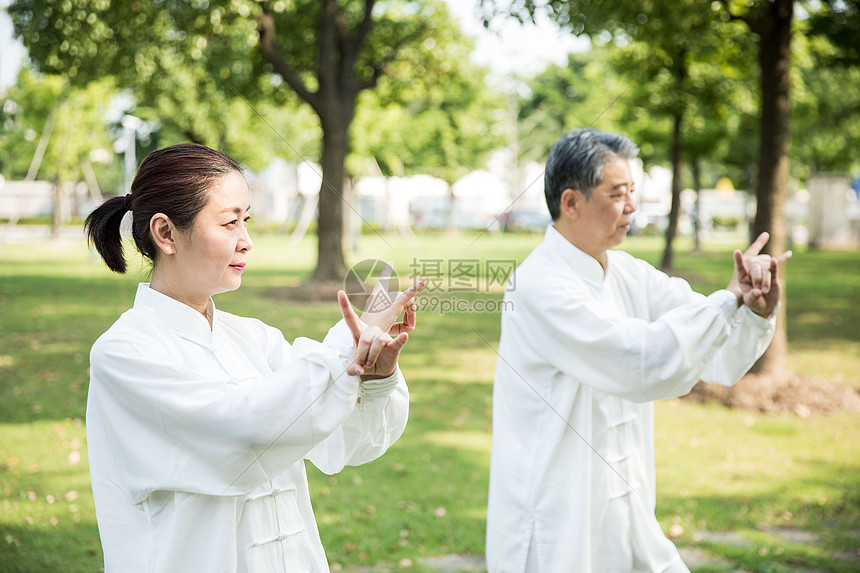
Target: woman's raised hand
pixel 376 352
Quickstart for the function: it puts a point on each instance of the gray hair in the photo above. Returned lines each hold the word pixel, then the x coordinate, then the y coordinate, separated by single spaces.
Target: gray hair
pixel 577 160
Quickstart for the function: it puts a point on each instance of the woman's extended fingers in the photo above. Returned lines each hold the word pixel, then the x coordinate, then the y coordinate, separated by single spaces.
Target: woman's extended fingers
pixel 416 286
pixel 385 276
pixel 410 309
pixel 753 262
pixel 403 303
pixel 379 294
pixel 406 299
pixel 364 345
pixel 349 316
pixel 376 344
pixel 386 362
pixel 377 354
pixel 410 313
pixel 398 342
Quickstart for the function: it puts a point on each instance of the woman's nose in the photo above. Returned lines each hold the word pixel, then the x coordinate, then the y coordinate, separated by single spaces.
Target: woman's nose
pixel 245 242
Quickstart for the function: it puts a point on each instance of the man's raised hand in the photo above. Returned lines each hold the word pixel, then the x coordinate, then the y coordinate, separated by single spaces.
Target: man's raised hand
pixel 755 280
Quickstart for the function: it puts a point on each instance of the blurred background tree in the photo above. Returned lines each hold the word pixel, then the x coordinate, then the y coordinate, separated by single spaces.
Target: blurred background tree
pixel 41 107
pixel 196 58
pixel 446 125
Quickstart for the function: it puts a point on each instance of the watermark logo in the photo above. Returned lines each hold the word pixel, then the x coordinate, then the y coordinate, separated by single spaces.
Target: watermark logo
pixel 464 285
pixel 464 275
pixel 443 305
pixel 371 285
pixel 453 286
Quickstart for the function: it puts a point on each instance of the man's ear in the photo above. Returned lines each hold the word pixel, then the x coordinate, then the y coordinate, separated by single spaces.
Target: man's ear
pixel 571 203
pixel 163 233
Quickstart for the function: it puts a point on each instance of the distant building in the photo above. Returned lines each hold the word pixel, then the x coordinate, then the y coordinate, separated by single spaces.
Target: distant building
pixel 26 199
pixel 834 212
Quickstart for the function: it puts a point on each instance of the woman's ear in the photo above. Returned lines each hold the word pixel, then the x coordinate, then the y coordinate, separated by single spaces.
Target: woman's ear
pixel 163 233
pixel 570 203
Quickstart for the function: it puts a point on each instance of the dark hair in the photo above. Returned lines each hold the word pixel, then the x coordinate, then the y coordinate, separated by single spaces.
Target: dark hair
pixel 175 181
pixel 576 162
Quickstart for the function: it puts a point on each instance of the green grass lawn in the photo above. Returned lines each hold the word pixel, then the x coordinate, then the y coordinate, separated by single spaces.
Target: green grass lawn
pixel 719 470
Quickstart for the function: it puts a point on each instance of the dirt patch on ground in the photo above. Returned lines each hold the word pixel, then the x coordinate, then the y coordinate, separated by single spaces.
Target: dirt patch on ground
pixel 799 395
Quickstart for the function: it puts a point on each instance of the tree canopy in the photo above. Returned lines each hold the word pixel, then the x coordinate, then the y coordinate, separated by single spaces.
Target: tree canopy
pixel 188 62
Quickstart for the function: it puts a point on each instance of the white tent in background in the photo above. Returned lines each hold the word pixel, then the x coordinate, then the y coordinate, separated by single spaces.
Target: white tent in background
pixel 308 182
pixel 479 198
pixel 274 193
pixel 309 178
pixel 654 186
pixel 528 196
pixel 392 201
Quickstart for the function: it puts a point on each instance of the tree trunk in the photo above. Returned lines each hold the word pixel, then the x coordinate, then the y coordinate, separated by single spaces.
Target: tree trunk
pixel 330 259
pixel 672 227
pixel 774 52
pixel 334 102
pixel 697 222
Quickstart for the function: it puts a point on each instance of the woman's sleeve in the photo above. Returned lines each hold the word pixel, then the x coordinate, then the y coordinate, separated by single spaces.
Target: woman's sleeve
pixel 370 429
pixel 163 426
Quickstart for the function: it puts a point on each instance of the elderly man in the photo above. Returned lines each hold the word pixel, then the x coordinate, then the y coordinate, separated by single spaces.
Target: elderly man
pixel 591 338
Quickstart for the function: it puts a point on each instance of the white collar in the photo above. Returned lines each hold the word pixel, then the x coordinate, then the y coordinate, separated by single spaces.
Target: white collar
pixel 177 315
pixel 578 260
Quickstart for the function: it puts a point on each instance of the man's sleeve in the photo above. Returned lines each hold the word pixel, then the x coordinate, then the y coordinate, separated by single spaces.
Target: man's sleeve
pixel 633 358
pixel 749 334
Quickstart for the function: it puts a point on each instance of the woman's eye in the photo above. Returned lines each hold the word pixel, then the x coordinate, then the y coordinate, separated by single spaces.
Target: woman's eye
pixel 231 223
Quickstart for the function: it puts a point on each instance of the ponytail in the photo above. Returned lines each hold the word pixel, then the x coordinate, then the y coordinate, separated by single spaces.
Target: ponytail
pixel 102 228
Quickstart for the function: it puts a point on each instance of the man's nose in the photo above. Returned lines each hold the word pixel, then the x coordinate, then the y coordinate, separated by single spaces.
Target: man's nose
pixel 630 206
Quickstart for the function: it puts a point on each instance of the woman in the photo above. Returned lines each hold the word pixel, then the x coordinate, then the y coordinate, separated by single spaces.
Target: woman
pixel 198 421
